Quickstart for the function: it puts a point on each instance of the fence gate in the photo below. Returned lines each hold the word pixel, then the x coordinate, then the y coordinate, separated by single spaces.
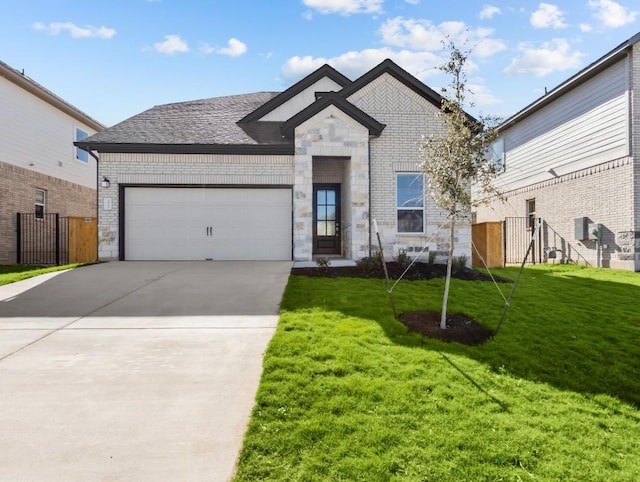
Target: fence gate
pixel 517 236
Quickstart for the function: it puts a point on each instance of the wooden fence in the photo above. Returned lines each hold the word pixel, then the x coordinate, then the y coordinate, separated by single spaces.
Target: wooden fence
pixel 51 239
pixel 83 240
pixel 488 241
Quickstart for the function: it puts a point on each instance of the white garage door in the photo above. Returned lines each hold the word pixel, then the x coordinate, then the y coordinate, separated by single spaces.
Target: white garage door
pixel 207 223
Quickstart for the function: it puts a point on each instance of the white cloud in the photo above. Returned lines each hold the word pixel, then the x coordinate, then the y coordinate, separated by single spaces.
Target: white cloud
pixel 421 35
pixel 172 44
pixel 413 2
pixel 76 32
pixel 353 64
pixel 552 56
pixel 480 96
pixel 547 16
pixel 234 48
pixel 345 7
pixel 585 27
pixel 489 11
pixel 611 13
pixel 487 47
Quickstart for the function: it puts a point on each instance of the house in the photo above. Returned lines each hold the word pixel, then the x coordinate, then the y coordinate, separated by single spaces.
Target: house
pixel 275 176
pixel 571 160
pixel 41 171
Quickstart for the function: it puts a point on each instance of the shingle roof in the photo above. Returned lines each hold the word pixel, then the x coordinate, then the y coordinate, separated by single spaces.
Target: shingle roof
pixel 205 121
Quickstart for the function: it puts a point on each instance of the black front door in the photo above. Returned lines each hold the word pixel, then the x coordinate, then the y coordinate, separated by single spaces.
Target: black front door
pixel 326 219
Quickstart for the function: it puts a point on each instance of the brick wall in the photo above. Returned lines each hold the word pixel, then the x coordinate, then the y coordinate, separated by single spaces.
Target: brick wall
pixel 17 194
pixel 408 117
pixel 603 193
pixel 634 73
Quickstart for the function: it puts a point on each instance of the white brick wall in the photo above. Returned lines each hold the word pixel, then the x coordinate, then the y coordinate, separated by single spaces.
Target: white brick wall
pixel 603 193
pixel 408 117
pixel 634 72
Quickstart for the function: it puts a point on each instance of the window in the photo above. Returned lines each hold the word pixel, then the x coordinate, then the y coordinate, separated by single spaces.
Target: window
pixel 531 212
pixel 410 202
pixel 496 155
pixel 80 154
pixel 41 199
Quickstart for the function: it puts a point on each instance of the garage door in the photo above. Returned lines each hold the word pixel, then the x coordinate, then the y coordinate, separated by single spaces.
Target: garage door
pixel 207 223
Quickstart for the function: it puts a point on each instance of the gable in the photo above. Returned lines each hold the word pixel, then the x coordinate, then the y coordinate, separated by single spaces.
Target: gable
pixel 298 96
pixel 301 101
pixel 388 94
pixel 389 68
pixel 375 128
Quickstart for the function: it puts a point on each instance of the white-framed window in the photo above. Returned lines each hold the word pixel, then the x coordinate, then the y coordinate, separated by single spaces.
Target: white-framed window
pixel 40 203
pixel 531 212
pixel 80 154
pixel 496 155
pixel 410 202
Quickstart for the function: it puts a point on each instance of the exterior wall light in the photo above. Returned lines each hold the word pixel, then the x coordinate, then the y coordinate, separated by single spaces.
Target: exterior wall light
pixel 105 182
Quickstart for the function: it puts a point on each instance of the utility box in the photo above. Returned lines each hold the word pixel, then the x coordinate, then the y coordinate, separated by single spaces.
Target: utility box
pixel 581 228
pixel 595 230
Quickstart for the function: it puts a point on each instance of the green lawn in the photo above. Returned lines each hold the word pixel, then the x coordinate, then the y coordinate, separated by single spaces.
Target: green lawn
pixel 348 394
pixel 13 273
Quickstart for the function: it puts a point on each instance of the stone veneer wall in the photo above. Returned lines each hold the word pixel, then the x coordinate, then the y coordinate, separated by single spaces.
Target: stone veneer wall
pixel 603 193
pixel 408 117
pixel 179 169
pixel 331 133
pixel 17 194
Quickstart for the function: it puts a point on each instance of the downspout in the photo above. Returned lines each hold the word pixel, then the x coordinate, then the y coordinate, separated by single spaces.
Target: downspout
pixel 95 156
pixel 370 216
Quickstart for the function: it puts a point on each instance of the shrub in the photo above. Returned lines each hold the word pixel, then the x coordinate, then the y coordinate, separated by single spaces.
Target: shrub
pixel 323 263
pixel 370 264
pixel 459 263
pixel 403 258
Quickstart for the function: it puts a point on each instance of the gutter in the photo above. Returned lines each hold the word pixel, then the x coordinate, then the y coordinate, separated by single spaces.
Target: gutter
pixel 136 148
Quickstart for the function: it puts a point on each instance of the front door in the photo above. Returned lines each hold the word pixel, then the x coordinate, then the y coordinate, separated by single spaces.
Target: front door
pixel 326 219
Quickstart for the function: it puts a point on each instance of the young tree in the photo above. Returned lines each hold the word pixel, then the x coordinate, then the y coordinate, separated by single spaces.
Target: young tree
pixel 455 160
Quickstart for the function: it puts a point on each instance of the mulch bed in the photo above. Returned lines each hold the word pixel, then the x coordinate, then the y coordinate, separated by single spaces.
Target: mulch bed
pixel 460 328
pixel 417 272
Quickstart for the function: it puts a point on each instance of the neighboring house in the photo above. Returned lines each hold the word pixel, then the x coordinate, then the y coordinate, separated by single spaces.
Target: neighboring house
pixel 40 169
pixel 282 176
pixel 571 158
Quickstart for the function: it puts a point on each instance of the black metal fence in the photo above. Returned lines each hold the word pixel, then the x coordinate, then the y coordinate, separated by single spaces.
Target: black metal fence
pixel 42 239
pixel 517 236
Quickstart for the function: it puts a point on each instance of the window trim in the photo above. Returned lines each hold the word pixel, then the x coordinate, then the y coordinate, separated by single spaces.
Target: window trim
pixel 81 155
pixel 42 204
pixel 498 161
pixel 410 208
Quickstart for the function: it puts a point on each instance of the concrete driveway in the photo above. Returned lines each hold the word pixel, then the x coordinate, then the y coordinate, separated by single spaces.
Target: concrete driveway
pixel 142 371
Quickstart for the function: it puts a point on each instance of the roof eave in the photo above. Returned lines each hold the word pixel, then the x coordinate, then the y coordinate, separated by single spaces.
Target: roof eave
pixel 138 148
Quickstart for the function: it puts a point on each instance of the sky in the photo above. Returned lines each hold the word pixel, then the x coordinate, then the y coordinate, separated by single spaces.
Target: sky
pixel 115 58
